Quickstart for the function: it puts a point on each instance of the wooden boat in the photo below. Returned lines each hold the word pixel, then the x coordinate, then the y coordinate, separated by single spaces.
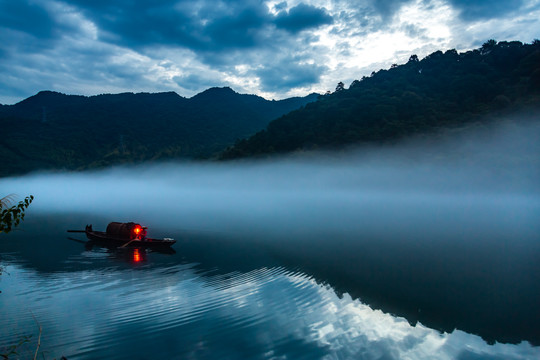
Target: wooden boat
pixel 125 235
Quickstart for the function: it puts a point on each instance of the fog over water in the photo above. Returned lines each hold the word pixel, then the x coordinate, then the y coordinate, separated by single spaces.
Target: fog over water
pixel 486 180
pixel 442 230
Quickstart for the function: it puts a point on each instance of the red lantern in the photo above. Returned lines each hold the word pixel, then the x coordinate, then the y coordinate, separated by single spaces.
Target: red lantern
pixel 137 229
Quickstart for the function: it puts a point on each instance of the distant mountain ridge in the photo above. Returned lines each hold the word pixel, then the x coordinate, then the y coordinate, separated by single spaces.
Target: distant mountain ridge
pixel 51 130
pixel 440 91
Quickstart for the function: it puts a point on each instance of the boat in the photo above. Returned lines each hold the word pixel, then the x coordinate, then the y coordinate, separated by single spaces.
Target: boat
pixel 125 235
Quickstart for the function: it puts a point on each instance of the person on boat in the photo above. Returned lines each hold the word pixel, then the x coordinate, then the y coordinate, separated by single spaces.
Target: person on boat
pixel 143 233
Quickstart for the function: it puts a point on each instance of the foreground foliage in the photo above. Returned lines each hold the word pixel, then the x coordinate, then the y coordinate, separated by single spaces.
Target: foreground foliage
pixel 11 216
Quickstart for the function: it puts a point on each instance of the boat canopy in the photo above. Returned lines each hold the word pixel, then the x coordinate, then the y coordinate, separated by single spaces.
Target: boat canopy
pixel 128 230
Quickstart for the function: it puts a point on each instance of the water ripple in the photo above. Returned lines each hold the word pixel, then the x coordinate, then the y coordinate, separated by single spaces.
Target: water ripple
pixel 177 312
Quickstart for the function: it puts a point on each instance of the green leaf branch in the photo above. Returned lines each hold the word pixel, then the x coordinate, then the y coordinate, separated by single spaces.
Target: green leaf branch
pixel 11 216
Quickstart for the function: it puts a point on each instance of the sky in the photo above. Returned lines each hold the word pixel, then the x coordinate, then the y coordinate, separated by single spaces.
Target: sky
pixel 273 48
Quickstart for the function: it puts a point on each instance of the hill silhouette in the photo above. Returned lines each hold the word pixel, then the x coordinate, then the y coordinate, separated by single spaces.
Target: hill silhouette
pixel 51 130
pixel 440 91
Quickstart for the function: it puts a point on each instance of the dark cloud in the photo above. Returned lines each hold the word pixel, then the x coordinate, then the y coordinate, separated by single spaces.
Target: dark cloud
pixel 243 28
pixel 281 6
pixel 469 10
pixel 221 33
pixel 30 27
pixel 196 82
pixel 414 31
pixel 200 25
pixel 289 73
pixel 27 17
pixel 212 26
pixel 140 24
pixel 386 8
pixel 302 17
pixel 486 9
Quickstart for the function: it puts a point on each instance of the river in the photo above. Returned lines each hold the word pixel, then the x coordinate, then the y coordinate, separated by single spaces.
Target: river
pixel 390 255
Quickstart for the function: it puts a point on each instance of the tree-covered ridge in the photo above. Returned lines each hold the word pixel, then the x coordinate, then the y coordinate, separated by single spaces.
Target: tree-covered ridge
pixel 441 90
pixel 55 131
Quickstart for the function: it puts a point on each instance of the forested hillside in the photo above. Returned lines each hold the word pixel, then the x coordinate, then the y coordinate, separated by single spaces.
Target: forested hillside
pixel 56 131
pixel 439 91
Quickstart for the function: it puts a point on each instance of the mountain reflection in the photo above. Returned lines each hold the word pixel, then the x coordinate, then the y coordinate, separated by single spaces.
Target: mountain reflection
pixel 264 313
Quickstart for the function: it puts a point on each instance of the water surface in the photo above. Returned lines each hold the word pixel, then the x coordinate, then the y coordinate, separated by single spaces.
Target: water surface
pixel 417 251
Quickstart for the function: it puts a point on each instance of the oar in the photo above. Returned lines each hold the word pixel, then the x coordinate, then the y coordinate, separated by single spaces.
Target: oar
pixel 129 242
pixel 77 231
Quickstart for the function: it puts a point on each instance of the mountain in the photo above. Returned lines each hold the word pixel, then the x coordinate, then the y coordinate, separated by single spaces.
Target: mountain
pixel 51 130
pixel 440 91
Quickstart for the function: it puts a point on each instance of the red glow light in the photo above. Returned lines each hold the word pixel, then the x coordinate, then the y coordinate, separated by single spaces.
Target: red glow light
pixel 136 255
pixel 137 229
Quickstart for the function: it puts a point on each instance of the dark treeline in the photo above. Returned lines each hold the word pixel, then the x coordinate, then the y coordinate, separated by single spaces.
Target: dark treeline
pixel 439 91
pixel 56 131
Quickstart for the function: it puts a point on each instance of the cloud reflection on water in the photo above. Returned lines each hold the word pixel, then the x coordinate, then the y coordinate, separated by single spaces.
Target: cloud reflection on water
pixel 265 313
